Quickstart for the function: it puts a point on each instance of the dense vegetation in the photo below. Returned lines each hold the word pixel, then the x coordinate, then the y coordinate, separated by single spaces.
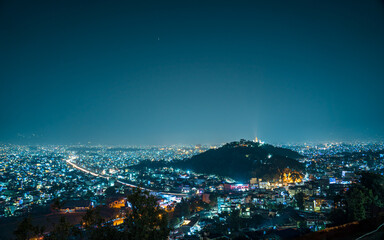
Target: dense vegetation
pixel 143 220
pixel 243 160
pixel 363 200
pixel 240 161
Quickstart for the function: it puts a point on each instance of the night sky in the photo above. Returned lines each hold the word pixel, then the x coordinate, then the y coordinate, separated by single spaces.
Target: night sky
pixel 194 72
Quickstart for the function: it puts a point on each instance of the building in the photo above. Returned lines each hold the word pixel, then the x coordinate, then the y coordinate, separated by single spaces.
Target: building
pixel 76 206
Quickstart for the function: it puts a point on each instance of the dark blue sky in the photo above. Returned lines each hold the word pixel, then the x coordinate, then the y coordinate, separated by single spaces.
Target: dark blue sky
pixel 191 71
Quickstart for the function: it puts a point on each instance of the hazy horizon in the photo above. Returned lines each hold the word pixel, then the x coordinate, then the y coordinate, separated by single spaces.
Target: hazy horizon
pixel 34 142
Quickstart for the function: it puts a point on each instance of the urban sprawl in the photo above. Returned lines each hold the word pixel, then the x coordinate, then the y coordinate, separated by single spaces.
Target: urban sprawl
pixel 83 177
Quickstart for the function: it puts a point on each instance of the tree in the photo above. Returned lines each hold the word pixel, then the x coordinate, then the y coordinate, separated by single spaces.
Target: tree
pixel 145 219
pixel 362 200
pixel 356 200
pixel 96 227
pixel 374 188
pixel 300 198
pixel 337 200
pixel 110 191
pixel 89 194
pixel 57 204
pixel 303 224
pixel 25 229
pixel 195 204
pixel 182 209
pixel 92 218
pixel 373 181
pixel 174 221
pixel 234 220
pixel 61 231
pixel 338 216
pixel 213 199
pixel 256 220
pixel 280 207
pixel 107 231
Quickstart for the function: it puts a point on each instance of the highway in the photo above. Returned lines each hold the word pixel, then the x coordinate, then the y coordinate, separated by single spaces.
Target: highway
pixel 69 161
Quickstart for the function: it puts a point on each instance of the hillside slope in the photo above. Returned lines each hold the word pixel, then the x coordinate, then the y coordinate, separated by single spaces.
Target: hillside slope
pixel 245 159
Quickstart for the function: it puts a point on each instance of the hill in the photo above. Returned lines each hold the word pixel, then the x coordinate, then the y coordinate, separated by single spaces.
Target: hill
pixel 245 159
pixel 240 160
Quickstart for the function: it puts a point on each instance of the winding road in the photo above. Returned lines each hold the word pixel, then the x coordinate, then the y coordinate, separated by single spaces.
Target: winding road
pixel 69 162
